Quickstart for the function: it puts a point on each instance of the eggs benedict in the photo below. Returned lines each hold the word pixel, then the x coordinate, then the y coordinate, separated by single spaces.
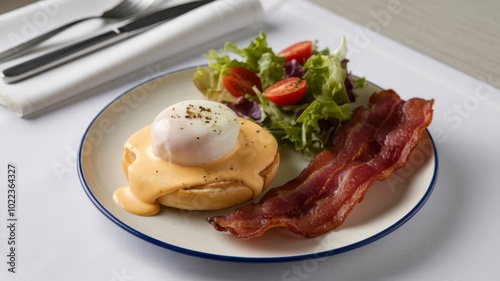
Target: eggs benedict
pixel 196 155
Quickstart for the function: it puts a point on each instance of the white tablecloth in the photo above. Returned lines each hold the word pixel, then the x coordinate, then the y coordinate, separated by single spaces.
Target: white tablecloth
pixel 60 234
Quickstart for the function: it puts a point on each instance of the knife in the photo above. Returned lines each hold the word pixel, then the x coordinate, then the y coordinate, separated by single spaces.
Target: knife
pixel 45 62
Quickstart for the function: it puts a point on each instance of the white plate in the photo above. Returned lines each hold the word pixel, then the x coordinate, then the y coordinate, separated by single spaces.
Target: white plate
pixel 387 205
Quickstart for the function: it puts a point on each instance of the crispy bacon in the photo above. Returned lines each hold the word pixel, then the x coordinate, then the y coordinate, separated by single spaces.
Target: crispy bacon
pixel 375 141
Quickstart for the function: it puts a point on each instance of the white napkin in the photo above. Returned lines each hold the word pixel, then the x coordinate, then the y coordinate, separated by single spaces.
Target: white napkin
pixel 167 40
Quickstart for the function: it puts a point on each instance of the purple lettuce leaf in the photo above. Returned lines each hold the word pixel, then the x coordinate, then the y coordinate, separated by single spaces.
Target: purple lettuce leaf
pixel 293 69
pixel 245 108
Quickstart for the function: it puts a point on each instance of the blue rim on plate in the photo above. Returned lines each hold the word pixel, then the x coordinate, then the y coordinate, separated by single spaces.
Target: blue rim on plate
pixel 96 184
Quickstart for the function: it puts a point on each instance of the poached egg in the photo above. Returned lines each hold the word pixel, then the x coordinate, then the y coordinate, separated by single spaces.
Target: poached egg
pixel 194 132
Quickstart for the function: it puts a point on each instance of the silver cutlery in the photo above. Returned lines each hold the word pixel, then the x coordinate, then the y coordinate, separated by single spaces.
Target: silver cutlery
pixel 58 57
pixel 124 9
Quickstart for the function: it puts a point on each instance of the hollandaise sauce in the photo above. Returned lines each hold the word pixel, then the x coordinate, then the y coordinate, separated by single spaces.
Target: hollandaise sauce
pixel 151 177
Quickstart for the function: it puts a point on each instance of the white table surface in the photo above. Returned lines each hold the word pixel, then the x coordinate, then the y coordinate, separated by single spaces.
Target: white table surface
pixel 60 235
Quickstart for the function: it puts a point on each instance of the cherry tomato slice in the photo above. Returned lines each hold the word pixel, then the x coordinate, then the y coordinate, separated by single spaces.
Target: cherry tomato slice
pixel 287 91
pixel 300 51
pixel 239 81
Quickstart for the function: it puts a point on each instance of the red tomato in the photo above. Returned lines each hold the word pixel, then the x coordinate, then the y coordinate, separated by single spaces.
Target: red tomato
pixel 287 91
pixel 300 51
pixel 239 81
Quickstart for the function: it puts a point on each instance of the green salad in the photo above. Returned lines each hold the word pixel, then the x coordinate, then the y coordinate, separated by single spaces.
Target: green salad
pixel 300 94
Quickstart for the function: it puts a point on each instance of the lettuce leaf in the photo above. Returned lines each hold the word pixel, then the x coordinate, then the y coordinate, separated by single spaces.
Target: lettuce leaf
pixel 325 76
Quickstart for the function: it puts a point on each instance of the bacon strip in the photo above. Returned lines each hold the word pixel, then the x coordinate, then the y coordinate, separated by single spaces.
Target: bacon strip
pixel 377 140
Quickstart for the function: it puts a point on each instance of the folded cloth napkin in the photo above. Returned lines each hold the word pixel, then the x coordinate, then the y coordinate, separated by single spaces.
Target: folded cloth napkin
pixel 164 41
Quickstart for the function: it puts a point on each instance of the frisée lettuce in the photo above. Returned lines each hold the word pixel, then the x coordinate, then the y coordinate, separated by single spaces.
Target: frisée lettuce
pixel 307 125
